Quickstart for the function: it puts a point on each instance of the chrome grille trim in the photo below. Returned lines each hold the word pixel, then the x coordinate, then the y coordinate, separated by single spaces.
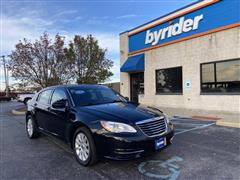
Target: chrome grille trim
pixel 150 120
pixel 153 127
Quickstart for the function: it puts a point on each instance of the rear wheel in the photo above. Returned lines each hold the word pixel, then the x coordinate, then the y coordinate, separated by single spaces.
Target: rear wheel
pixel 84 147
pixel 31 127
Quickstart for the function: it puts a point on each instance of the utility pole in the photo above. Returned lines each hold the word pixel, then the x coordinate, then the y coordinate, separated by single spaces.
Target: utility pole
pixel 5 75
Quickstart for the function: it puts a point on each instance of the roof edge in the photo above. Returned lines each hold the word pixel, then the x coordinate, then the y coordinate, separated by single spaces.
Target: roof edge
pixel 198 1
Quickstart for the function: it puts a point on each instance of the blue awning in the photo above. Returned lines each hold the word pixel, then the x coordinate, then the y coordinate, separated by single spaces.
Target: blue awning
pixel 133 64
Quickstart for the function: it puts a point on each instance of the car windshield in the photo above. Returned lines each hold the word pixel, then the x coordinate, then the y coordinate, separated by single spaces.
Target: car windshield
pixel 85 96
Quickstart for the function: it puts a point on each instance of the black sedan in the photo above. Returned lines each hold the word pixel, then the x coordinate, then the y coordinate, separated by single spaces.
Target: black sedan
pixel 98 122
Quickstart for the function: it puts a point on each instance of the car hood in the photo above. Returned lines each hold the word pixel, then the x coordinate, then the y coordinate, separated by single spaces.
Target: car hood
pixel 121 112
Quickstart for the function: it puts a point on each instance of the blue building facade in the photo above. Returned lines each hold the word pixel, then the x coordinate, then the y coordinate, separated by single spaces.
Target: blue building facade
pixel 189 58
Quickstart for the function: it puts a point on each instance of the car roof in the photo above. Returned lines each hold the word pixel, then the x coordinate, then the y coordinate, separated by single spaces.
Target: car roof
pixel 75 85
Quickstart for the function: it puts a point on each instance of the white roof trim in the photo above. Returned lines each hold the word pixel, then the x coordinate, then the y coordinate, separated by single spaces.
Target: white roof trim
pixel 159 21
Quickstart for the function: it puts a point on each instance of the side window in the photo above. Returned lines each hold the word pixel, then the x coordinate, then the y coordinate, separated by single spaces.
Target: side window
pixel 221 77
pixel 44 97
pixel 169 80
pixel 58 94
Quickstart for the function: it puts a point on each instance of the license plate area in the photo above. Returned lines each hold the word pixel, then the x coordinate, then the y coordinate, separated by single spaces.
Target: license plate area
pixel 160 143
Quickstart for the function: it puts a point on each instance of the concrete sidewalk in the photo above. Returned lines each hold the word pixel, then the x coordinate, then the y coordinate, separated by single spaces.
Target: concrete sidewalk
pixel 19 110
pixel 222 118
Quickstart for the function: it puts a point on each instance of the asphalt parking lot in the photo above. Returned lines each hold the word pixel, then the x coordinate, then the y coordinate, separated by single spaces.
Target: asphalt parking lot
pixel 200 150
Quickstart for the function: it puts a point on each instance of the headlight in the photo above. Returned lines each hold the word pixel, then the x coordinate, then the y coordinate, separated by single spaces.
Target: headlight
pixel 167 118
pixel 117 127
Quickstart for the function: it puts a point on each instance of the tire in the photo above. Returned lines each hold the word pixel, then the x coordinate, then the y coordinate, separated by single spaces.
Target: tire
pixel 84 147
pixel 31 128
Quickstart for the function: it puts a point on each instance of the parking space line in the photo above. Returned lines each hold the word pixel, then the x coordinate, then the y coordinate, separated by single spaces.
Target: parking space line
pixel 189 119
pixel 201 127
pixel 190 124
pixel 180 129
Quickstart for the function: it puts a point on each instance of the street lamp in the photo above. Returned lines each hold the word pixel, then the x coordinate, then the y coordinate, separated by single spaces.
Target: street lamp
pixel 5 75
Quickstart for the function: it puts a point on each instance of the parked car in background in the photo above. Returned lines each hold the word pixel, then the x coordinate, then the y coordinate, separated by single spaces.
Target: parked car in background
pixel 98 122
pixel 4 98
pixel 24 97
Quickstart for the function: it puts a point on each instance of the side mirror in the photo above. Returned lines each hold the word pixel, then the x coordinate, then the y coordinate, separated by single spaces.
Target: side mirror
pixel 127 98
pixel 60 104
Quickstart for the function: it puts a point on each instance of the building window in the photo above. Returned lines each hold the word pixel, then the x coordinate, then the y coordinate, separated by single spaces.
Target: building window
pixel 221 77
pixel 169 81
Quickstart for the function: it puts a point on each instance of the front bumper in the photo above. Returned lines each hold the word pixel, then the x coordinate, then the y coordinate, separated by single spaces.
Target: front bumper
pixel 128 147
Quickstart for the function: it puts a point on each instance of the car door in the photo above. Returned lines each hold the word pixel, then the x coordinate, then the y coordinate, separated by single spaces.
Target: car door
pixel 58 116
pixel 41 109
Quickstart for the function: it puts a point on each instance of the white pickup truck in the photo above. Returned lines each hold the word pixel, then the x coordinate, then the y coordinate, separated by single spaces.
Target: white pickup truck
pixel 24 97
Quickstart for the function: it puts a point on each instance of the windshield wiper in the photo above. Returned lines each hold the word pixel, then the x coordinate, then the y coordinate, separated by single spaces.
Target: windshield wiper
pixel 91 104
pixel 116 101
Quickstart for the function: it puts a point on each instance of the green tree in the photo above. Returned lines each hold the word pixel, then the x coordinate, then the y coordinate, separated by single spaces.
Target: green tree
pixel 90 64
pixel 42 63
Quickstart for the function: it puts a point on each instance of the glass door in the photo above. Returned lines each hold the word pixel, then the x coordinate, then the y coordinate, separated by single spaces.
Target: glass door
pixel 137 85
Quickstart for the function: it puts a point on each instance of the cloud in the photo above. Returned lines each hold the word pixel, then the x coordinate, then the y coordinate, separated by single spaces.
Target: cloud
pixel 97 20
pixel 65 12
pixel 35 22
pixel 100 17
pixel 94 22
pixel 109 41
pixel 14 29
pixel 78 18
pixel 31 24
pixel 127 16
pixel 116 71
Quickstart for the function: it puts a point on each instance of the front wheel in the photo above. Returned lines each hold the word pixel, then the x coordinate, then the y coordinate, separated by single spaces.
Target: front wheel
pixel 31 127
pixel 84 147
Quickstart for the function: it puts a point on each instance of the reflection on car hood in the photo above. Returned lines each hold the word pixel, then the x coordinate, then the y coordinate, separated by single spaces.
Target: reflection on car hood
pixel 121 112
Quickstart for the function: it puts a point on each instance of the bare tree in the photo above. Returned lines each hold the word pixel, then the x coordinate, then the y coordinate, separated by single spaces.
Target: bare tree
pixel 89 60
pixel 42 63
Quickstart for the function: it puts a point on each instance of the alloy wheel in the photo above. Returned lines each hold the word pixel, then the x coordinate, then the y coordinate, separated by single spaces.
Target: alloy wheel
pixel 82 146
pixel 30 127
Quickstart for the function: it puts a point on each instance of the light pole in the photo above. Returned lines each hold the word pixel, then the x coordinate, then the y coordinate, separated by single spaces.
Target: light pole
pixel 5 75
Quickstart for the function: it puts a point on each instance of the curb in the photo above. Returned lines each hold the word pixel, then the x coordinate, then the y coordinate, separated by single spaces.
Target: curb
pixel 15 112
pixel 219 121
pixel 228 124
pixel 201 118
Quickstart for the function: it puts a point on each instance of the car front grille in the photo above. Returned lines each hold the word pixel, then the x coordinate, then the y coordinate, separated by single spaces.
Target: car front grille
pixel 153 127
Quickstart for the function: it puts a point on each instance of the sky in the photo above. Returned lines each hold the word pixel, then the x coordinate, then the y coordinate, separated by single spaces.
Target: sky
pixel 103 19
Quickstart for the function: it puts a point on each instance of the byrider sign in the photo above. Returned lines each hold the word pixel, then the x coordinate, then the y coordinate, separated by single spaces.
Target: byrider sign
pixel 182 26
pixel 198 19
